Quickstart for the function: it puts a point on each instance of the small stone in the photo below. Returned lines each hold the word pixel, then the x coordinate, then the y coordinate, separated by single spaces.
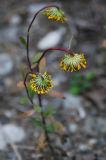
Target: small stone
pixel 83 147
pixel 2 141
pixel 51 39
pixel 15 20
pixel 6 64
pixel 73 127
pixel 92 142
pixel 13 133
pixel 74 103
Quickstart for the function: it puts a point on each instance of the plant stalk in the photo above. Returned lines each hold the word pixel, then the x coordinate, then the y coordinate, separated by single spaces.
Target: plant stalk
pixel 28 32
pixel 44 127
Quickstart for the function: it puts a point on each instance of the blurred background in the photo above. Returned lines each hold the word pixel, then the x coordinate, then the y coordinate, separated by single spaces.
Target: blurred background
pixel 82 114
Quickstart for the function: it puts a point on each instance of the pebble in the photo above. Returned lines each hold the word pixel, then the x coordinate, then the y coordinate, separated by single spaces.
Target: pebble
pixel 93 130
pixel 10 34
pixel 73 127
pixel 83 147
pixel 92 142
pixel 3 143
pixel 51 39
pixel 6 64
pixel 74 103
pixel 10 133
pixel 15 20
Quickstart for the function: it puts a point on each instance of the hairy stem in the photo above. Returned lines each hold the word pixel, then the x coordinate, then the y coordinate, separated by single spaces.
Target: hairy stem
pixel 54 49
pixel 44 127
pixel 28 32
pixel 25 80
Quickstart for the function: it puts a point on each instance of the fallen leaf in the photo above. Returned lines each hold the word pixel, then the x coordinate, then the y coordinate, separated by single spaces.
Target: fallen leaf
pixel 20 84
pixel 56 94
pixel 41 142
pixel 103 43
pixel 29 113
pixel 42 65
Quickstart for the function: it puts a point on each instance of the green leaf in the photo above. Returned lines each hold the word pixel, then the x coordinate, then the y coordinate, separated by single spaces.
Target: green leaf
pixel 36 57
pixel 90 76
pixel 31 92
pixel 87 85
pixel 37 123
pixel 49 111
pixel 23 41
pixel 24 101
pixel 50 128
pixel 37 109
pixel 75 90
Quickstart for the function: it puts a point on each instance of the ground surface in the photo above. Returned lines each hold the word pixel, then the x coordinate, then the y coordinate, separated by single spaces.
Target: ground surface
pixel 83 117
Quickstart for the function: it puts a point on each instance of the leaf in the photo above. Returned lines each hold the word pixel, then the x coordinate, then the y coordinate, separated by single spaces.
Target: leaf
pixel 90 76
pixel 29 113
pixel 56 94
pixel 42 65
pixel 50 128
pixel 41 142
pixel 23 41
pixel 103 43
pixel 30 91
pixel 37 123
pixel 24 101
pixel 49 111
pixel 20 84
pixel 36 57
pixel 56 125
pixel 75 90
pixel 37 109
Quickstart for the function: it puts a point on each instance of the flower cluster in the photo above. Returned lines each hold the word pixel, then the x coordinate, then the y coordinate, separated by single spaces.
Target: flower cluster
pixel 73 62
pixel 41 83
pixel 55 14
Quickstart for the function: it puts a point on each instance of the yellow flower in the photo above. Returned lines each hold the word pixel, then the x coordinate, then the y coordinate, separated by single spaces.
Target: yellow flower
pixel 73 62
pixel 41 83
pixel 55 14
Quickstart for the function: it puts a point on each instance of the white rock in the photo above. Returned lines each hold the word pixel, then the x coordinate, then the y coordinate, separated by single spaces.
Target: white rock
pixel 10 133
pixel 74 103
pixel 6 64
pixel 83 147
pixel 51 39
pixel 9 34
pixel 73 127
pixel 15 19
pixel 14 133
pixel 3 143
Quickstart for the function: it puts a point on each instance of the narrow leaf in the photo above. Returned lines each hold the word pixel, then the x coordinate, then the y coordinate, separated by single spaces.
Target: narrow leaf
pixel 23 41
pixel 57 94
pixel 42 65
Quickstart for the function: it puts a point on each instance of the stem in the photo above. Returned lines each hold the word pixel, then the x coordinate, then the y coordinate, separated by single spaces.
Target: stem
pixel 28 31
pixel 44 127
pixel 54 49
pixel 25 79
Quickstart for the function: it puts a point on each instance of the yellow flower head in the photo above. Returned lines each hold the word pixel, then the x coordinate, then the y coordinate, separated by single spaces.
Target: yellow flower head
pixel 73 62
pixel 55 14
pixel 41 83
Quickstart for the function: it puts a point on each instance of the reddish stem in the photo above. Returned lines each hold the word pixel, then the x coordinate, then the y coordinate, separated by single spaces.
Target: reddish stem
pixel 67 51
pixel 25 80
pixel 30 25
